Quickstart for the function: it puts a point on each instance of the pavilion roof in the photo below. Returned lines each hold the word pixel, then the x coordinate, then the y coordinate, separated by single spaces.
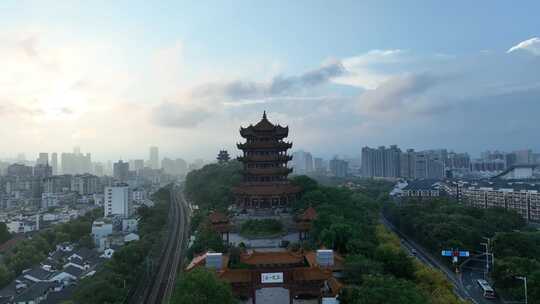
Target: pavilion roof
pixel 310 214
pixel 217 217
pixel 269 258
pixel 264 126
pixel 335 286
pixel 311 274
pixel 235 275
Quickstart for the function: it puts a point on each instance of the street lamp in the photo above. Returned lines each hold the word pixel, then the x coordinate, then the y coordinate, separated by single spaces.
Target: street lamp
pixel 487 252
pixel 524 279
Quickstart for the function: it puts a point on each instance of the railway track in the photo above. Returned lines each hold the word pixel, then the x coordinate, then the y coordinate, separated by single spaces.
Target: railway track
pixel 159 290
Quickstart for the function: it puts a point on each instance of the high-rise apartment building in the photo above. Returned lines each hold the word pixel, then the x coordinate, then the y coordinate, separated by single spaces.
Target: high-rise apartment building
pixel 43 159
pixel 136 165
pixel 154 158
pixel 76 163
pixel 54 163
pixel 318 164
pixel 117 200
pixel 381 162
pixel 338 167
pixel 19 170
pixel 174 166
pixel 302 162
pixel 121 170
pixel 85 184
pixel 524 156
pixel 42 170
pixel 392 163
pixel 407 164
pixel 458 161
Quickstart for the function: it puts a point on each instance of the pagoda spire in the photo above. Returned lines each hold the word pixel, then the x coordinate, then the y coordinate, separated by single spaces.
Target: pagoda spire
pixel 264 114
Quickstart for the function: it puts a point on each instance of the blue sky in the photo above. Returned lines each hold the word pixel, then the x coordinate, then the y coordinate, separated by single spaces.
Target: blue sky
pixel 342 74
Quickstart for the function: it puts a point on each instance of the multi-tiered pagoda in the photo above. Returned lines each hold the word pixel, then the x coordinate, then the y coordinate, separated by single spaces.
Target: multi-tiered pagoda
pixel 265 158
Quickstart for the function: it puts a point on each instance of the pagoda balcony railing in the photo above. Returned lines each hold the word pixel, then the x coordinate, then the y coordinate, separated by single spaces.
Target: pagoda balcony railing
pixel 265 158
pixel 265 145
pixel 266 184
pixel 268 171
pixel 276 133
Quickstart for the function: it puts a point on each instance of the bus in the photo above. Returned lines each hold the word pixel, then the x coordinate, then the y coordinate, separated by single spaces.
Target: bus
pixel 488 292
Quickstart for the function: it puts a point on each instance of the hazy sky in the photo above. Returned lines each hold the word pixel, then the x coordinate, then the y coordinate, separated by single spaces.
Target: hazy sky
pixel 115 77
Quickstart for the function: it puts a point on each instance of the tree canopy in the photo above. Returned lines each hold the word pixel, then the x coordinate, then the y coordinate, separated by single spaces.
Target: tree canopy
pixel 210 187
pixel 201 286
pixel 439 224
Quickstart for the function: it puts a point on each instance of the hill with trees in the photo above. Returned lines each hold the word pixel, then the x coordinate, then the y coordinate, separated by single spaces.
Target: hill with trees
pixel 377 269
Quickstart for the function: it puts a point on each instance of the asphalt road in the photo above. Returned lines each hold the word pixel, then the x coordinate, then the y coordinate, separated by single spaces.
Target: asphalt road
pixel 472 270
pixel 465 285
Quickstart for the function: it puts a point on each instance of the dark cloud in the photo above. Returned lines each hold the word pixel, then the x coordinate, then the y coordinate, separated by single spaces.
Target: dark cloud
pixel 174 115
pixel 398 92
pixel 279 85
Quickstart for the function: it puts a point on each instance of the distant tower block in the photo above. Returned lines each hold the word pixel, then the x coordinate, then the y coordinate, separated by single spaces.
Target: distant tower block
pixel 223 156
pixel 265 184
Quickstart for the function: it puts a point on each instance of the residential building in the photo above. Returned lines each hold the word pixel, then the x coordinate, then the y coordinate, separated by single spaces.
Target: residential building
pixel 121 171
pixel 407 164
pixel 19 170
pixel 42 170
pixel 381 162
pixel 85 184
pixel 319 165
pixel 101 229
pixel 76 163
pixel 523 197
pixel 54 163
pixel 117 201
pixel 338 167
pixel 524 156
pixel 154 158
pixel 302 162
pixel 43 159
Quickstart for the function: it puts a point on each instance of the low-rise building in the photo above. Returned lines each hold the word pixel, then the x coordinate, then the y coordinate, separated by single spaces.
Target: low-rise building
pixel 420 189
pixel 521 196
pixel 101 229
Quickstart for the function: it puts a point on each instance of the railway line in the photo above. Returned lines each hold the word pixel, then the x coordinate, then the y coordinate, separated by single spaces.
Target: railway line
pixel 160 288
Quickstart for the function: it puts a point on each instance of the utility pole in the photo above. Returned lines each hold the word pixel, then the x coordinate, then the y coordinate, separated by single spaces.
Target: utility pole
pixel 488 254
pixel 524 279
pixel 487 259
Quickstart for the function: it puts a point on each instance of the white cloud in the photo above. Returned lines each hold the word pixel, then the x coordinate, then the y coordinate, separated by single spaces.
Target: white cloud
pixel 531 45
pixel 363 70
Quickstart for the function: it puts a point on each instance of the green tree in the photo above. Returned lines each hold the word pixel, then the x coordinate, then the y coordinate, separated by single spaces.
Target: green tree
pixel 396 263
pixel 5 275
pixel 4 233
pixel 101 289
pixel 201 286
pixel 358 266
pixel 383 290
pixel 337 236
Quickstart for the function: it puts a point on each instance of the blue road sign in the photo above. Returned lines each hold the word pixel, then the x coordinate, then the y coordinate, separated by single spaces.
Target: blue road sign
pixel 446 253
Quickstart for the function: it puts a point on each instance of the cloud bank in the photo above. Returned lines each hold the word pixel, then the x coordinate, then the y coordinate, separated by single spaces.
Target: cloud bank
pixel 531 45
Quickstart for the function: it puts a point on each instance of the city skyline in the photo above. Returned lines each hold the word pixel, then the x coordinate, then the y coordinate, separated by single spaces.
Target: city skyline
pixel 151 73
